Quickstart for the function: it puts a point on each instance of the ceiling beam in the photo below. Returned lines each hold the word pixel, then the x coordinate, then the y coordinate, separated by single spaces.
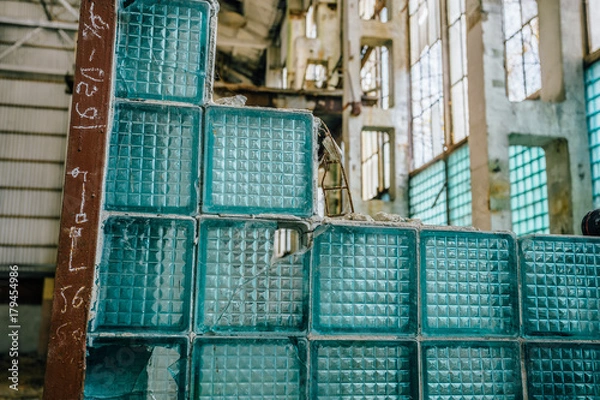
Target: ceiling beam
pixel 67 26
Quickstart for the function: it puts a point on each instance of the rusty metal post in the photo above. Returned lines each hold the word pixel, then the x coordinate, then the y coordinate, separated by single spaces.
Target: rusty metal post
pixel 88 133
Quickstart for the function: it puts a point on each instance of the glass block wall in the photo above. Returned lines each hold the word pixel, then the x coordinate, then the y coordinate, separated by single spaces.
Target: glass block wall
pixel 441 194
pixel 190 303
pixel 592 83
pixel 528 190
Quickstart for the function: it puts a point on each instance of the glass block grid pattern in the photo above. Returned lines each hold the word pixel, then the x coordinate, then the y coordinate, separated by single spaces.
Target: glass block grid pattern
pixel 528 190
pixel 592 87
pixel 364 280
pixel 472 371
pixel 468 283
pixel 162 50
pixel 144 278
pixel 427 195
pixel 153 159
pixel 243 289
pixel 561 286
pixel 136 369
pixel 364 370
pixel 459 187
pixel 562 372
pixel 258 161
pixel 256 370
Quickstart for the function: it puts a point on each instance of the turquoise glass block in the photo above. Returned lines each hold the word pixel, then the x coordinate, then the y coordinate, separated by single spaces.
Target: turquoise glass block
pixel 258 161
pixel 144 278
pixel 250 369
pixel 364 280
pixel 472 370
pixel 352 370
pixel 563 371
pixel 528 190
pixel 592 83
pixel 427 195
pixel 241 288
pixel 561 286
pixel 468 283
pixel 162 50
pixel 459 187
pixel 127 368
pixel 153 159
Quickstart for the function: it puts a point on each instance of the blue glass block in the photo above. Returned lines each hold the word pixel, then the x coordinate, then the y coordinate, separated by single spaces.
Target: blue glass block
pixel 561 286
pixel 136 369
pixel 563 371
pixel 240 288
pixel 427 195
pixel 153 159
pixel 351 370
pixel 459 187
pixel 258 161
pixel 364 280
pixel 162 50
pixel 468 283
pixel 475 370
pixel 593 106
pixel 249 370
pixel 528 190
pixel 144 278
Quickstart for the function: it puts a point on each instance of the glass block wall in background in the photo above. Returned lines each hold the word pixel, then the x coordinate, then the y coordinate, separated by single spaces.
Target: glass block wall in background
pixel 528 190
pixel 441 193
pixel 427 195
pixel 592 83
pixel 459 187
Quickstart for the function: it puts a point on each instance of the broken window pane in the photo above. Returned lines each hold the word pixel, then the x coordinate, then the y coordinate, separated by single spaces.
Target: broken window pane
pixel 316 74
pixel 373 10
pixel 375 76
pixel 593 16
pixel 521 32
pixel 376 169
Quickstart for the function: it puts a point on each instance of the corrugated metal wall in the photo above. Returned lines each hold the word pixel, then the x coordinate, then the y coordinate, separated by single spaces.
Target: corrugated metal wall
pixel 34 110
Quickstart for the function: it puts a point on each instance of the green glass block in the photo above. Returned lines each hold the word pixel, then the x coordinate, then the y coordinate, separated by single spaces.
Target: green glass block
pixel 563 371
pixel 162 50
pixel 472 370
pixel 144 278
pixel 468 283
pixel 352 370
pixel 459 187
pixel 153 159
pixel 136 369
pixel 241 288
pixel 258 161
pixel 249 369
pixel 427 195
pixel 364 280
pixel 561 286
pixel 528 190
pixel 592 83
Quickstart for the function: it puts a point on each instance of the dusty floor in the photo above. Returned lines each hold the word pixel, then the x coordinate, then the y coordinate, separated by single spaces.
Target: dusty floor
pixel 31 377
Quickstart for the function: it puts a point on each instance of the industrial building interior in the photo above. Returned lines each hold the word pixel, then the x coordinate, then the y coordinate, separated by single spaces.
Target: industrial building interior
pixel 482 113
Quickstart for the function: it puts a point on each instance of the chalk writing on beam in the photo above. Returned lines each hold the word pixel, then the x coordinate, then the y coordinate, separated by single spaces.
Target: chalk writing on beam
pixel 95 26
pixel 89 127
pixel 74 234
pixel 81 217
pixel 61 335
pixel 89 113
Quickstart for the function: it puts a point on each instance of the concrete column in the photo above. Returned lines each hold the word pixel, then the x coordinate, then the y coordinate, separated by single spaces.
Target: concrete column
pixel 394 34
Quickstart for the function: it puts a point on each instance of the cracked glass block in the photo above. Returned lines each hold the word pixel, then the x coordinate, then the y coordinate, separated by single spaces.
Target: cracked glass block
pixel 364 280
pixel 242 286
pixel 128 368
pixel 249 369
pixel 563 371
pixel 144 278
pixel 561 286
pixel 351 370
pixel 258 161
pixel 469 283
pixel 162 50
pixel 472 370
pixel 152 164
